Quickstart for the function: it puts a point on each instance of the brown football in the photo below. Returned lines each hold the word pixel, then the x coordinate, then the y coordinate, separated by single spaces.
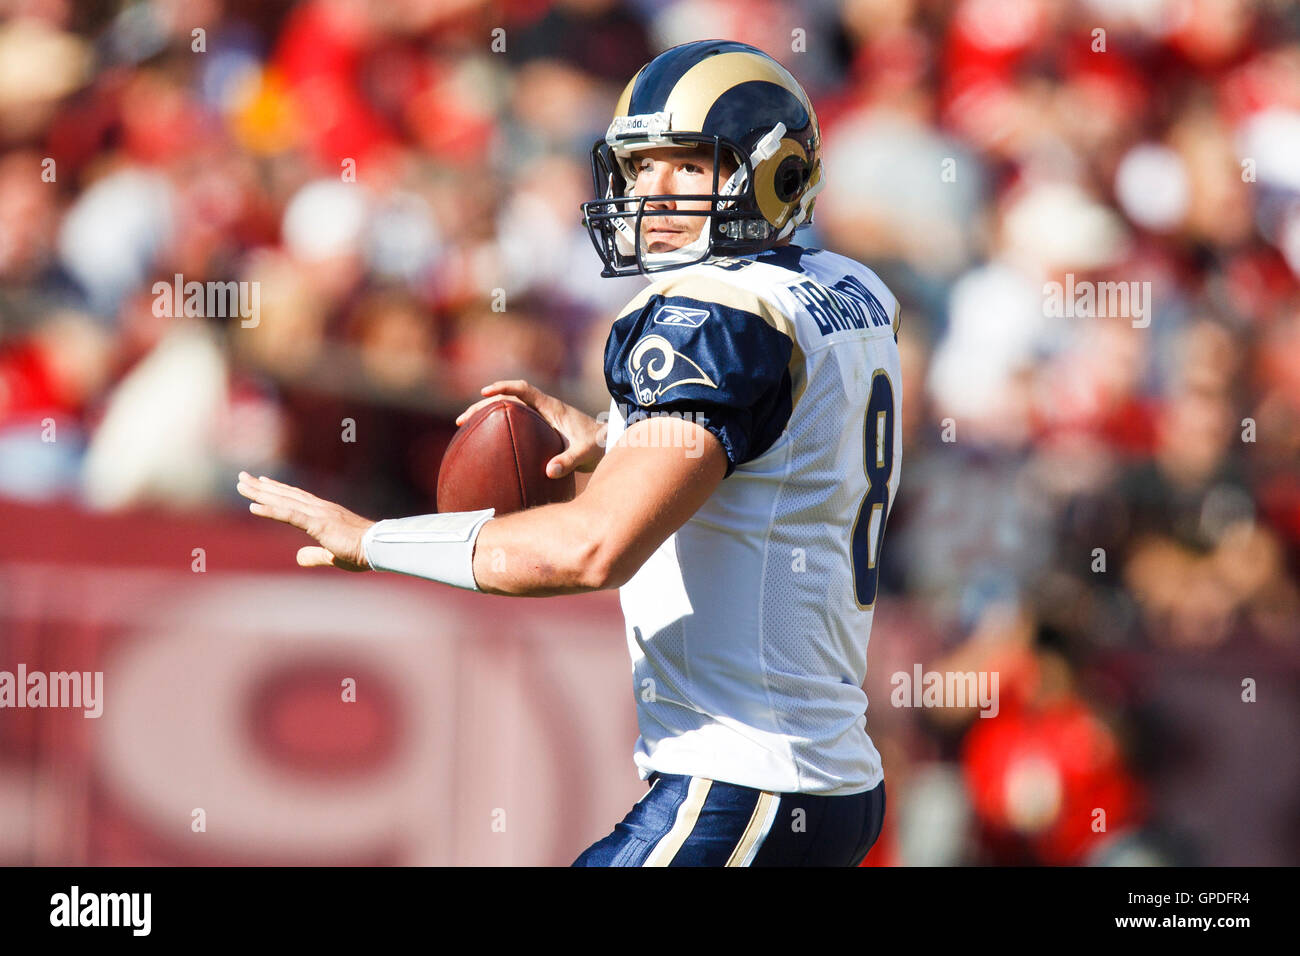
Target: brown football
pixel 497 459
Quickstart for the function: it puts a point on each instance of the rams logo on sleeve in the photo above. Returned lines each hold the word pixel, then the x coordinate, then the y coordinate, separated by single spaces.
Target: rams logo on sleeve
pixel 707 346
pixel 655 367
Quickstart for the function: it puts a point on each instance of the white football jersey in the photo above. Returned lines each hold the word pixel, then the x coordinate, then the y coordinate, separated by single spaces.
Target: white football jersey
pixel 748 627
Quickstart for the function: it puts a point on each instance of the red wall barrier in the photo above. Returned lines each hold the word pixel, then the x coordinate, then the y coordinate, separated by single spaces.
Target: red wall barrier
pixel 484 730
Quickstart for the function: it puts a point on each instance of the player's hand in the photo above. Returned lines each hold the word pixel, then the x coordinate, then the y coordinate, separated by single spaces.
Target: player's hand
pixel 585 436
pixel 338 530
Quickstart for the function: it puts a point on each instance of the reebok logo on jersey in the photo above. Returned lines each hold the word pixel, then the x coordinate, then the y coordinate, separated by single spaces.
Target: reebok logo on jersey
pixel 680 315
pixel 655 368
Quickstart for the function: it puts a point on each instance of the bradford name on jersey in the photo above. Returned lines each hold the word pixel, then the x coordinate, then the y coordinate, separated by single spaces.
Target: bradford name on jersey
pixel 748 628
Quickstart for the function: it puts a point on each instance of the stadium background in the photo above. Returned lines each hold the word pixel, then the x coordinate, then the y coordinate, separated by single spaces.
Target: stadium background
pixel 975 149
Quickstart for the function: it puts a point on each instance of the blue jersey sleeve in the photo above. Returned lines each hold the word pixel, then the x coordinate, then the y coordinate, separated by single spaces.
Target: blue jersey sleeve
pixel 726 366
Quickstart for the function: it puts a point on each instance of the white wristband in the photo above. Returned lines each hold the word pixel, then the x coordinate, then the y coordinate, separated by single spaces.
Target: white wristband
pixel 435 547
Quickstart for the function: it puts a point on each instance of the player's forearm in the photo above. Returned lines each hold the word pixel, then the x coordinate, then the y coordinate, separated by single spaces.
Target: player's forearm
pixel 554 549
pixel 642 492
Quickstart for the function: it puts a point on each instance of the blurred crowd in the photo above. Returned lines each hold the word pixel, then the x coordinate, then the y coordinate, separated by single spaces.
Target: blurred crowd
pixel 1105 509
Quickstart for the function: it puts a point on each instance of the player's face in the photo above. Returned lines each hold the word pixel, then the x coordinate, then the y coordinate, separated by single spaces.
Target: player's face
pixel 675 171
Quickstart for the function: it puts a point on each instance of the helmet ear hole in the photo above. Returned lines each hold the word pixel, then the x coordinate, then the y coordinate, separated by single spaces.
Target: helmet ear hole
pixel 790 178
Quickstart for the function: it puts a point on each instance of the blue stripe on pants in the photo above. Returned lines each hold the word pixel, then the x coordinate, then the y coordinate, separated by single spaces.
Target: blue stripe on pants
pixel 803 830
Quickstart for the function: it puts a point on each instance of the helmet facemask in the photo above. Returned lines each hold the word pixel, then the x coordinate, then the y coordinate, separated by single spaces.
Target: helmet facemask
pixel 732 224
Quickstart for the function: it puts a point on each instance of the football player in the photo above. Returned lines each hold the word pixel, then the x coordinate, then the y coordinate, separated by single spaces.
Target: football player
pixel 739 497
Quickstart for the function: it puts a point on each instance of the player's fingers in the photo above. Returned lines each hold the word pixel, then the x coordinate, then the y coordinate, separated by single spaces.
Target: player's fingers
pixel 250 489
pixel 516 387
pixel 280 509
pixel 562 464
pixel 315 557
pixel 267 490
pixel 289 491
pixel 548 406
pixel 255 488
pixel 276 512
pixel 262 493
pixel 483 403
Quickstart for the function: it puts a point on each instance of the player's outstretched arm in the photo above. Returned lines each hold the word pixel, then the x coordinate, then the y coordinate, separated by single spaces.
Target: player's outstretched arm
pixel 658 474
